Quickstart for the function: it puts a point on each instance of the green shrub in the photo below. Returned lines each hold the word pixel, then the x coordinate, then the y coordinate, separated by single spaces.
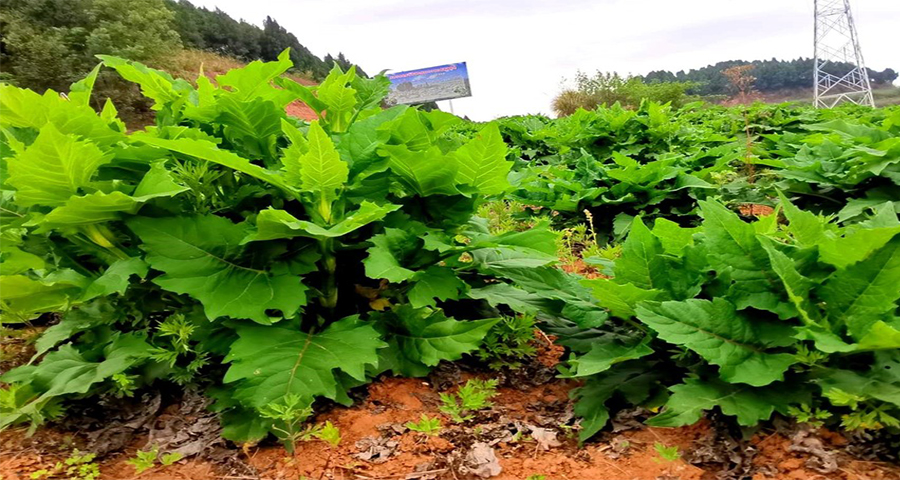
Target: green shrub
pixel 228 246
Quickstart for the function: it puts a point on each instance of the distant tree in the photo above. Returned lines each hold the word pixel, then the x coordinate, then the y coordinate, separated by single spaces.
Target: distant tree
pixel 50 43
pixel 771 75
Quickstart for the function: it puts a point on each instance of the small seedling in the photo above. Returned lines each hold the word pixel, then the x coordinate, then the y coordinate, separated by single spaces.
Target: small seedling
pixel 667 453
pixel 537 476
pixel 144 460
pixel 426 425
pixel 810 416
pixel 77 467
pixel 289 415
pixel 473 396
pixel 170 458
pixel 508 342
pixel 329 433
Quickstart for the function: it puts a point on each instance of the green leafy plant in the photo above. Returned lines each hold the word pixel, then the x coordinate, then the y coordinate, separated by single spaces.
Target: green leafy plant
pixel 170 458
pixel 726 316
pixel 78 466
pixel 813 417
pixel 475 395
pixel 226 247
pixel 536 476
pixel 144 460
pixel 329 433
pixel 427 425
pixel 669 454
pixel 508 342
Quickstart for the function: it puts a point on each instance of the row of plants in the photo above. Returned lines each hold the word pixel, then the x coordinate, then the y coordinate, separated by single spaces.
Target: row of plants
pixel 276 263
pixel 659 162
pixel 231 247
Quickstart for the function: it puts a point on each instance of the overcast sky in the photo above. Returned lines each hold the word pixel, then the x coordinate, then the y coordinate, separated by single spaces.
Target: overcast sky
pixel 518 51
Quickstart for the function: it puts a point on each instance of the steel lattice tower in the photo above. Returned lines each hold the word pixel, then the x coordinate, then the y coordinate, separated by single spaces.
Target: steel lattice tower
pixel 839 71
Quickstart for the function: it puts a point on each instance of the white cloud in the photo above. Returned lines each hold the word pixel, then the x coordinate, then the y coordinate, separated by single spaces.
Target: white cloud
pixel 518 51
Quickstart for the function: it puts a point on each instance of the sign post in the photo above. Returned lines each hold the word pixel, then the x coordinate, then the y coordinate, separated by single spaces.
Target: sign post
pixel 443 82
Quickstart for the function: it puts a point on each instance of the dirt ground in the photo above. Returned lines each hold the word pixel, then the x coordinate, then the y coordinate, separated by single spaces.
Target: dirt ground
pixel 526 435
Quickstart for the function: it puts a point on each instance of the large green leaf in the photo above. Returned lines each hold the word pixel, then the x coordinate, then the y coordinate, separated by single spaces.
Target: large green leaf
pixel 426 172
pixel 605 353
pixel 99 207
pixel 436 282
pixel 66 371
pixel 272 224
pixel 339 98
pixel 202 257
pixel 268 363
pixel 750 405
pixel 389 248
pixel 860 294
pixel 642 263
pixel 482 162
pixel 53 168
pixel 722 336
pixel 427 337
pixel 734 250
pixel 320 169
pixel 634 381
pixel 619 299
pixel 209 151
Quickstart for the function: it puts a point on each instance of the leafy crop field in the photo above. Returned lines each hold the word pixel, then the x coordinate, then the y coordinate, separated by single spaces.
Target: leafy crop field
pixel 180 297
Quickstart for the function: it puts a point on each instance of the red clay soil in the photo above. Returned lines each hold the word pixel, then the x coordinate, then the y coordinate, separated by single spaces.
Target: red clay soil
pixel 392 402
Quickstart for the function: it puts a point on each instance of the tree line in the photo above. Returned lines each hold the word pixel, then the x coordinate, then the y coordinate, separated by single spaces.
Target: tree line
pixel 771 75
pixel 51 43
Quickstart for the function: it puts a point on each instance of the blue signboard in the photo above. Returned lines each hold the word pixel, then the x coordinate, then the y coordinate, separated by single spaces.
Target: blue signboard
pixel 429 84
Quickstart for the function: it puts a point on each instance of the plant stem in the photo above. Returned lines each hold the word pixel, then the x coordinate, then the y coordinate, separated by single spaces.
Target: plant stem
pixel 329 292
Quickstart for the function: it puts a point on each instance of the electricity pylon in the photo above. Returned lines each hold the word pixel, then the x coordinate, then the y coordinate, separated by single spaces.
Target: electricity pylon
pixel 839 71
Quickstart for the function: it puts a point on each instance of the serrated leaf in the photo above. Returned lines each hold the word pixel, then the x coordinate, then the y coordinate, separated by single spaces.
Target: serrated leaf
pixel 270 362
pixel 733 249
pixel 24 297
pixel 320 169
pixel 634 381
pixel 53 168
pixel 796 285
pixel 555 284
pixel 426 336
pixel 858 295
pixel 673 237
pixel 116 278
pixel 750 405
pixel 425 172
pixel 202 257
pixel 619 299
pixel 436 282
pixel 384 256
pixel 482 162
pixel 722 336
pixel 641 263
pixel 605 353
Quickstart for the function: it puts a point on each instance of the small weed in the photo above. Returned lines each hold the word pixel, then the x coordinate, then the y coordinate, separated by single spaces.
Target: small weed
pixel 289 416
pixel 144 460
pixel 667 453
pixel 813 417
pixel 473 396
pixel 79 466
pixel 508 342
pixel 537 476
pixel 426 425
pixel 329 433
pixel 505 216
pixel 170 458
